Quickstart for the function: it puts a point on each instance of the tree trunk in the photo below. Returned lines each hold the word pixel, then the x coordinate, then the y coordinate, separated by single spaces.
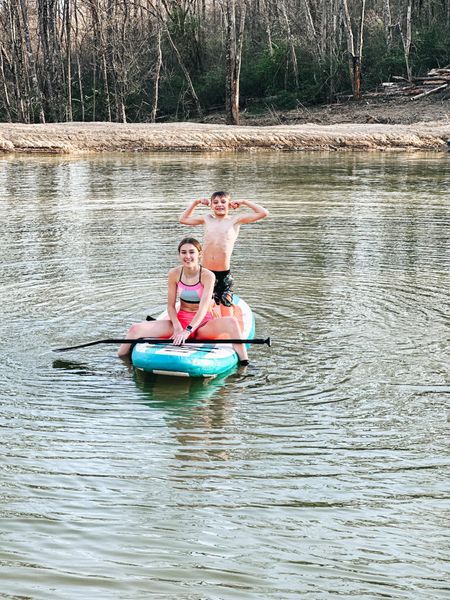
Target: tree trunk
pixel 186 74
pixel 6 103
pixel 355 54
pixel 387 20
pixel 20 83
pixel 268 26
pixel 312 28
pixel 31 62
pixel 45 15
pixel 233 43
pixel 407 40
pixel 68 31
pixel 291 45
pixel 100 43
pixel 156 77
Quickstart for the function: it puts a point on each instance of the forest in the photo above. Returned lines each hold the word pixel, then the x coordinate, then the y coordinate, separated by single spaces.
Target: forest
pixel 141 61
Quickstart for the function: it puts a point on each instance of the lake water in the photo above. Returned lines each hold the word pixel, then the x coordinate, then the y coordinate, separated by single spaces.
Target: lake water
pixel 322 471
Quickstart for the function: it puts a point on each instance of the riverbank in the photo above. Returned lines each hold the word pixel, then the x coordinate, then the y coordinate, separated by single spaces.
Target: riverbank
pixel 359 127
pixel 70 138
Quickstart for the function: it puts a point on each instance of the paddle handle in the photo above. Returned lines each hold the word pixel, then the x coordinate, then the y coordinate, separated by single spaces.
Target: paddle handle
pixel 165 341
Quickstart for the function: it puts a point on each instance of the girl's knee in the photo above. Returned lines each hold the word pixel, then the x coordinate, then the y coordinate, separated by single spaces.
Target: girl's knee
pixel 232 323
pixel 229 320
pixel 135 330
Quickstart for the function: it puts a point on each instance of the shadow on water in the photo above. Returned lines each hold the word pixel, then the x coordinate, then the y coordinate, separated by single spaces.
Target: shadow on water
pixel 73 366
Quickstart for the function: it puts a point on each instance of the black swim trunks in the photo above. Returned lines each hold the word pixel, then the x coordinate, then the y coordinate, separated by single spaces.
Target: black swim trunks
pixel 223 288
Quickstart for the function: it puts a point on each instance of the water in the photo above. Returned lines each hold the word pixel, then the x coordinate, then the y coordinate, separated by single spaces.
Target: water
pixel 320 472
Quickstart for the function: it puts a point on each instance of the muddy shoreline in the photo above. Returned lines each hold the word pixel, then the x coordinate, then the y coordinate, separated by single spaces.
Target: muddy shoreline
pixel 75 138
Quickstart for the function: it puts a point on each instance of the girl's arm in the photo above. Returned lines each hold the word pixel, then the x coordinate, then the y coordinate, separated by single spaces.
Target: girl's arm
pixel 172 281
pixel 208 280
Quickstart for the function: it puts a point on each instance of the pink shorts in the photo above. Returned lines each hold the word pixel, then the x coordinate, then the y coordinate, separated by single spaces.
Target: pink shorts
pixel 185 317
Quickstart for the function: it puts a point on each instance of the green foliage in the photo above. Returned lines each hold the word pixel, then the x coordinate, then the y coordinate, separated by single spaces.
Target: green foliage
pixel 184 30
pixel 211 88
pixel 380 62
pixel 431 48
pixel 268 79
pixel 263 74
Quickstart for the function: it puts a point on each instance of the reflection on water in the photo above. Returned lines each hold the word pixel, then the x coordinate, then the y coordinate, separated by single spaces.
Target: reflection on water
pixel 320 471
pixel 195 411
pixel 177 393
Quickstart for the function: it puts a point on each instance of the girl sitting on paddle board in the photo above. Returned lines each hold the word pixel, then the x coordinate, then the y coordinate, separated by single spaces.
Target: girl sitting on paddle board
pixel 193 285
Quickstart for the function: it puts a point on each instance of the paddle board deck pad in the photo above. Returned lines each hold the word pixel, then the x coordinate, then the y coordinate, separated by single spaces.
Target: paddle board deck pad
pixel 195 360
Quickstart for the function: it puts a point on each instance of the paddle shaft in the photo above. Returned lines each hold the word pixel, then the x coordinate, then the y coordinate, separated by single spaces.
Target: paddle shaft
pixel 165 341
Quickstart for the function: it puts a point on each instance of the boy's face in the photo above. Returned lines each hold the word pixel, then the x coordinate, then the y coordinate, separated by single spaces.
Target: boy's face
pixel 220 205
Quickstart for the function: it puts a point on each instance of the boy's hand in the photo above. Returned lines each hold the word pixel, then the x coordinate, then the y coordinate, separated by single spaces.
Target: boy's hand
pixel 204 201
pixel 235 204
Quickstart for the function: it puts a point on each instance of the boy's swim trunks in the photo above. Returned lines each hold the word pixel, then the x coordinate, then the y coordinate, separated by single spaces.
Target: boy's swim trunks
pixel 223 288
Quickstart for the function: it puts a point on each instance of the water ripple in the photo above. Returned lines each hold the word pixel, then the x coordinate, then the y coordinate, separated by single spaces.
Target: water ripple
pixel 319 471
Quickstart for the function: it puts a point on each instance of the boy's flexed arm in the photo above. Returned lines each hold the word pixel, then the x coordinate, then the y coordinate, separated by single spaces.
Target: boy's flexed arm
pixel 187 217
pixel 259 212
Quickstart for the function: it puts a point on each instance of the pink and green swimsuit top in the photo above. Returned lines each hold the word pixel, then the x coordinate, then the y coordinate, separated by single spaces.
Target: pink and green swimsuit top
pixel 190 293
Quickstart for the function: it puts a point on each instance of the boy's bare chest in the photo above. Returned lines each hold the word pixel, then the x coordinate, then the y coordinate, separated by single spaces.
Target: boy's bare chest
pixel 224 229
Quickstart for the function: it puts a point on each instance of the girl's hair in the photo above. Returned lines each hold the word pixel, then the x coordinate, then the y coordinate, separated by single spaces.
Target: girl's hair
pixel 224 195
pixel 190 240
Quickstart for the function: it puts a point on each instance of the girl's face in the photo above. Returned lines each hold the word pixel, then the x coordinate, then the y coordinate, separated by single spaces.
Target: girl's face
pixel 189 255
pixel 220 205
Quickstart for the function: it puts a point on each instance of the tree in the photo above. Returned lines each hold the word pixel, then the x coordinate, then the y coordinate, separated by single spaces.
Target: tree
pixel 354 51
pixel 234 17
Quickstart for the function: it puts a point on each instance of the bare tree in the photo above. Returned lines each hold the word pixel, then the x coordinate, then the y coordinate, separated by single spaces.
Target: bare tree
pixel 124 59
pixel 30 64
pixel 185 72
pixel 234 16
pixel 291 42
pixel 406 39
pixel 177 12
pixel 156 74
pixel 4 84
pixel 100 46
pixel 354 50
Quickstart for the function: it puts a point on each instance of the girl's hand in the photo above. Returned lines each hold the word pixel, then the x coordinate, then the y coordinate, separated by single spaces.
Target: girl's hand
pixel 180 337
pixel 177 331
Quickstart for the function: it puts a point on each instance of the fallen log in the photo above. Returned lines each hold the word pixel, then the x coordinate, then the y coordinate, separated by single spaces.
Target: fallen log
pixel 437 89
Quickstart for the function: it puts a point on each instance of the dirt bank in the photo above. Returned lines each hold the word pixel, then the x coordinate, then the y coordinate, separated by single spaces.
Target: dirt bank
pixel 334 127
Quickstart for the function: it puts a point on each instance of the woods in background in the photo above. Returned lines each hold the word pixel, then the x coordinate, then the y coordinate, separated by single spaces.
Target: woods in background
pixel 150 60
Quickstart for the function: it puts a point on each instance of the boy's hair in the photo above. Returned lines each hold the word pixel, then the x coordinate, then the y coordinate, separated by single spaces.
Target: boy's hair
pixel 190 240
pixel 224 195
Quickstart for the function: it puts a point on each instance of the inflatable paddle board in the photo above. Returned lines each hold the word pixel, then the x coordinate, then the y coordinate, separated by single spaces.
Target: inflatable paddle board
pixel 195 360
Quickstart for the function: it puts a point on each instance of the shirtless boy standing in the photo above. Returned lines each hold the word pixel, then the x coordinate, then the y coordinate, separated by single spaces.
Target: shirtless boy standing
pixel 221 231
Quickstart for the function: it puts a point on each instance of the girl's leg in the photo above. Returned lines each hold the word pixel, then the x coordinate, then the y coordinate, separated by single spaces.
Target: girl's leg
pixel 226 311
pixel 157 329
pixel 223 327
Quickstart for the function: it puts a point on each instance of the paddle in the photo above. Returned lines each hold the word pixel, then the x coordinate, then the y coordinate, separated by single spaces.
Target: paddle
pixel 164 341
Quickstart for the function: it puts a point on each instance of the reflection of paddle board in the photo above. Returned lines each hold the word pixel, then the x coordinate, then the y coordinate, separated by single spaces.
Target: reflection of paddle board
pixel 176 394
pixel 199 360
